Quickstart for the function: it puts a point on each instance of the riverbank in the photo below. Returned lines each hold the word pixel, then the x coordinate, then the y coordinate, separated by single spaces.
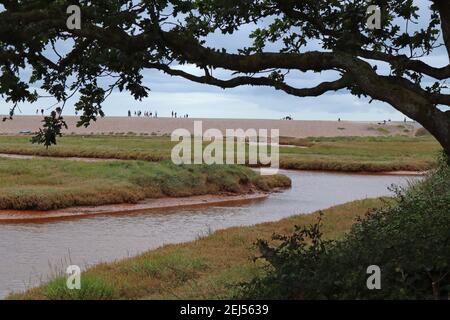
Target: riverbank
pixel 207 268
pixel 37 251
pixel 46 184
pixel 149 205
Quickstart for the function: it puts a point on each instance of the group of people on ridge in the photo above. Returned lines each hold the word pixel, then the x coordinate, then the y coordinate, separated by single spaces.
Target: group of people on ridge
pixel 148 114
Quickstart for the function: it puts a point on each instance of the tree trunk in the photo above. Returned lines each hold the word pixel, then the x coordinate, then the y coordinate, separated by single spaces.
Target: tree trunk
pixel 439 126
pixel 444 135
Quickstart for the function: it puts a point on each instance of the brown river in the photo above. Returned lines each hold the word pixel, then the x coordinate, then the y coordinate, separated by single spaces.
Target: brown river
pixel 32 252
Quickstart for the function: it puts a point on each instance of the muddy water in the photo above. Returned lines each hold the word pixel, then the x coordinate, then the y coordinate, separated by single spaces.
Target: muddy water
pixel 30 253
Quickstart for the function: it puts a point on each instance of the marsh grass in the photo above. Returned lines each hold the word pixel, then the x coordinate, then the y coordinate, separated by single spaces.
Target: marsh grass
pixel 350 154
pixel 207 268
pixel 92 288
pixel 363 154
pixel 176 266
pixel 44 184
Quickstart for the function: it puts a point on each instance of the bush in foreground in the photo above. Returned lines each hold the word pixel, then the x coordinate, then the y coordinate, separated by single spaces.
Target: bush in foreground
pixel 409 240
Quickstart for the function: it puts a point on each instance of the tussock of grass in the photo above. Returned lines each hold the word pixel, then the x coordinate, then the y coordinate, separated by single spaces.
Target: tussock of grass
pixel 43 184
pixel 208 268
pixel 383 131
pixel 268 183
pixel 92 288
pixel 422 132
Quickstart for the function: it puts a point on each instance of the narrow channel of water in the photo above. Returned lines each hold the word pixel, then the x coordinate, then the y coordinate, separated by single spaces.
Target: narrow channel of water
pixel 30 253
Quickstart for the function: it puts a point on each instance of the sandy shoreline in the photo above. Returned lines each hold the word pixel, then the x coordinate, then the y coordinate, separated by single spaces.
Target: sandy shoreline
pixel 161 126
pixel 155 205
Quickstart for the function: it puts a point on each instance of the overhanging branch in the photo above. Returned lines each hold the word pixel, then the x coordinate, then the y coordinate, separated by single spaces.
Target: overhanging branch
pixel 408 64
pixel 342 83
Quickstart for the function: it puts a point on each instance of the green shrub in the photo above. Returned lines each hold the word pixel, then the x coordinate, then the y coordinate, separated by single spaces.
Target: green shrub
pixel 409 240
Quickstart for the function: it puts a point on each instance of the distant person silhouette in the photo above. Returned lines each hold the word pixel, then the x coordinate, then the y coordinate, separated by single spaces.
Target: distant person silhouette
pixel 42 111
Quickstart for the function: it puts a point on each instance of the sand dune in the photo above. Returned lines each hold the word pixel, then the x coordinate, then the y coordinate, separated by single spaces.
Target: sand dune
pixel 160 126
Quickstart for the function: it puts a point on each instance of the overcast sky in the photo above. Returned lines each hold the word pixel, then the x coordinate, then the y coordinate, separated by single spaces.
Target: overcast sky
pixel 173 93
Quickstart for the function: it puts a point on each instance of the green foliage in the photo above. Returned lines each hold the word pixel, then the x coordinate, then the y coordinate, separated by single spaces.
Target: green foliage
pixel 409 240
pixel 51 129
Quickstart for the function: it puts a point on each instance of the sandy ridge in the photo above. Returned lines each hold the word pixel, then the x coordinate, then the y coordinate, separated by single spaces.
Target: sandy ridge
pixel 160 126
